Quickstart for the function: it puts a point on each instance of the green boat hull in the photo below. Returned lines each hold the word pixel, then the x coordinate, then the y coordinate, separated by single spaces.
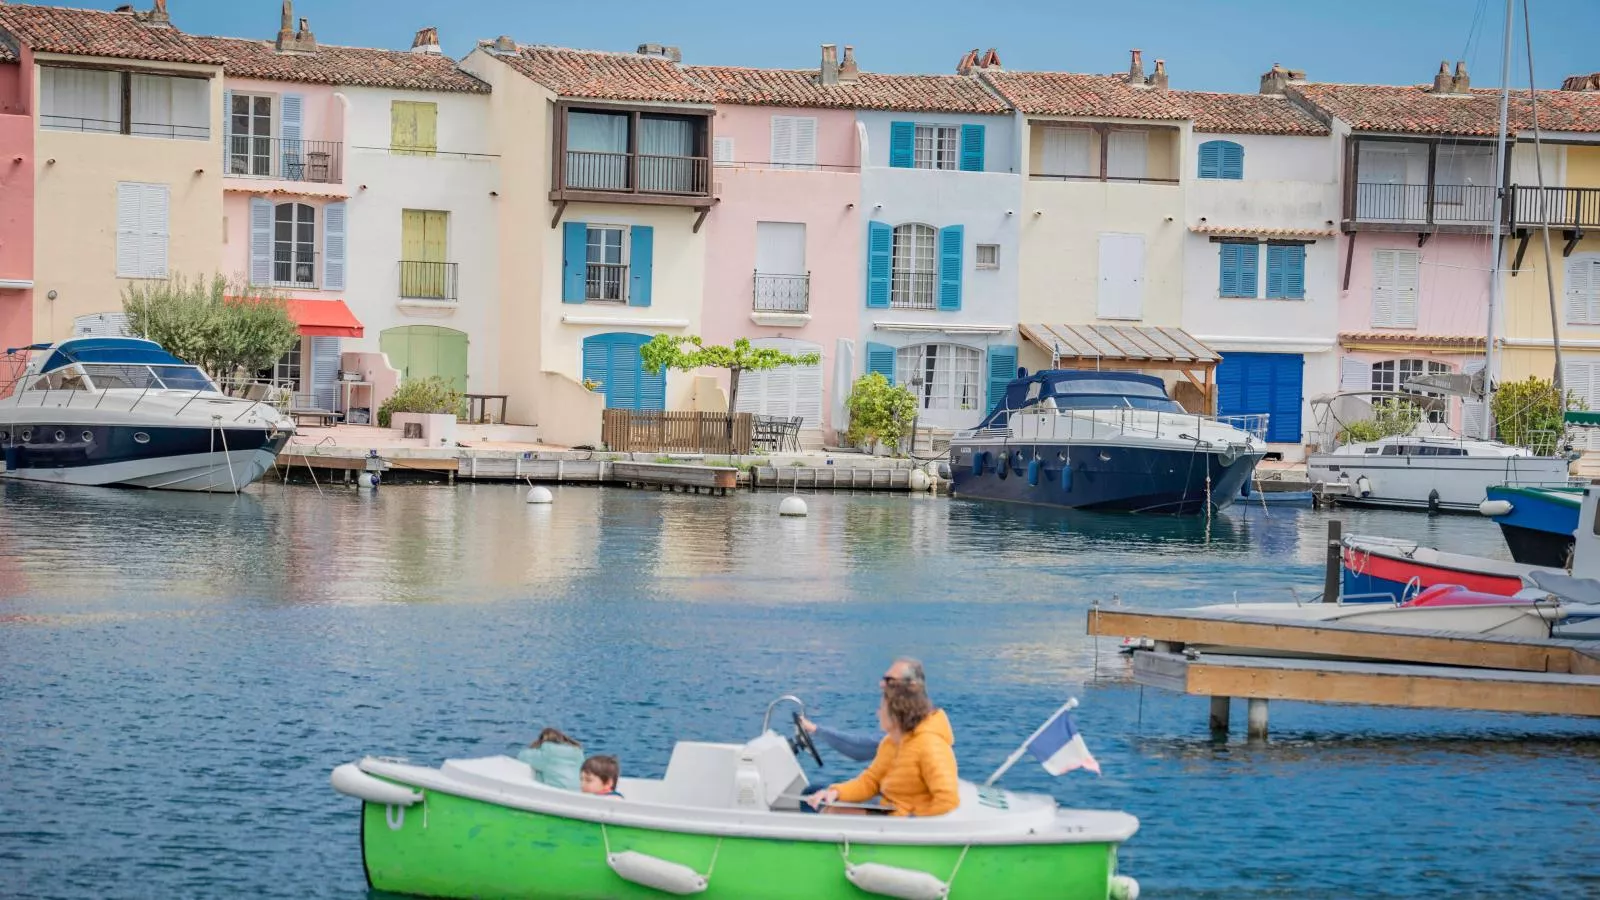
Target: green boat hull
pixel 449 846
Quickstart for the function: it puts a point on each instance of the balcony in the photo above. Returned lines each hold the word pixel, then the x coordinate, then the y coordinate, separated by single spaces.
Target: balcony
pixel 606 282
pixel 316 162
pixel 430 281
pixel 639 155
pixel 1407 207
pixel 782 293
pixel 1568 209
pixel 624 173
pixel 291 269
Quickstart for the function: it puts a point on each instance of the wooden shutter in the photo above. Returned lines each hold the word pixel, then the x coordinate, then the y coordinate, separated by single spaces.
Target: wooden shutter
pixel 972 148
pixel 722 151
pixel 227 131
pixel 880 252
pixel 641 264
pixel 130 236
pixel 574 261
pixel 1385 288
pixel 325 372
pixel 1355 374
pixel 1407 275
pixel 1239 274
pixel 1231 161
pixel 805 142
pixel 334 243
pixel 1211 159
pixel 427 128
pixel 260 240
pixel 950 265
pixel 154 210
pixel 1583 289
pixel 782 140
pixel 596 360
pixel 1286 271
pixel 902 144
pixel 652 388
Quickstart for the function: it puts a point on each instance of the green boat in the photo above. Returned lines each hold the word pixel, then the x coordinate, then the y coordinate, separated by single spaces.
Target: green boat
pixel 724 821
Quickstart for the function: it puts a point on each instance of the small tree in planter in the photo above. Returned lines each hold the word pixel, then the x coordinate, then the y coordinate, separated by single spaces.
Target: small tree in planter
pixel 431 395
pixel 1528 413
pixel 880 412
pixel 688 352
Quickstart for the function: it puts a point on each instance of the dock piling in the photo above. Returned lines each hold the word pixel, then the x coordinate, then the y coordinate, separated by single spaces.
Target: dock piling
pixel 1256 727
pixel 1219 716
pixel 1330 575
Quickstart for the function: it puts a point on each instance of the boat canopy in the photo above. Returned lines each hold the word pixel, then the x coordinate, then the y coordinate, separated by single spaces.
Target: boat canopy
pixel 1075 389
pixel 109 350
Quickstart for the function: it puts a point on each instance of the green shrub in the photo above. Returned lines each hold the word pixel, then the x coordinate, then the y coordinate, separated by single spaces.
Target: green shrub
pixel 1527 413
pixel 880 412
pixel 431 395
pixel 1389 417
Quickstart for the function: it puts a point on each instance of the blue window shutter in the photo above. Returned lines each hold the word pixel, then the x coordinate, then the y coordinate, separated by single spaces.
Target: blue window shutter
pixel 1274 270
pixel 596 360
pixel 1232 162
pixel 335 238
pixel 1211 159
pixel 880 250
pixel 290 108
pixel 972 148
pixel 1239 270
pixel 1294 271
pixel 880 359
pixel 641 259
pixel 260 240
pixel 950 267
pixel 1002 371
pixel 574 261
pixel 902 139
pixel 227 132
pixel 652 388
pixel 1249 269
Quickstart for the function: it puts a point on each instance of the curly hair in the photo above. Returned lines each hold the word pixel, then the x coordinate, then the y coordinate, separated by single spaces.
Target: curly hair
pixel 908 705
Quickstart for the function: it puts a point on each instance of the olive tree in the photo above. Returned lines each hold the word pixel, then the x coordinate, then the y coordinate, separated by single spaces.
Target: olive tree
pixel 219 326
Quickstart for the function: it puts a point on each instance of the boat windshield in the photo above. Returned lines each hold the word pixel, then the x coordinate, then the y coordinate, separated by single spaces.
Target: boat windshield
pixel 111 376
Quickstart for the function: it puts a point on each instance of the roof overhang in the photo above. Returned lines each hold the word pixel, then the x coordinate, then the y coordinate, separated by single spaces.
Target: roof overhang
pixel 1403 341
pixel 1263 232
pixel 1124 346
pixel 941 327
pixel 324 318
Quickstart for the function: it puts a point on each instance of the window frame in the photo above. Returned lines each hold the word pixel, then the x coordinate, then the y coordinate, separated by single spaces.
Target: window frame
pixel 301 252
pixel 977 256
pixel 274 121
pixel 1393 372
pixel 928 146
pixel 940 389
pixel 621 268
pixel 908 280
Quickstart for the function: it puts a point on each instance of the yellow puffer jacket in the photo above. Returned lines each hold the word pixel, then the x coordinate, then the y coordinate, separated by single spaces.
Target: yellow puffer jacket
pixel 916 774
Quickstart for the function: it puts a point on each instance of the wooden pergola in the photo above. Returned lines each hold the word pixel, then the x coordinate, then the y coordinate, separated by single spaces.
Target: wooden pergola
pixel 1128 347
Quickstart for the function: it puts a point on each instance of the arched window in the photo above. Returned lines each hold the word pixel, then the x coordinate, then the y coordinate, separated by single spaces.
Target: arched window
pixel 915 267
pixel 1221 159
pixel 1392 375
pixel 941 376
pixel 294 243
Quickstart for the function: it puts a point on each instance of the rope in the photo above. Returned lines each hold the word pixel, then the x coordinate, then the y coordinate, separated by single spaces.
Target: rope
pixel 605 839
pixel 226 457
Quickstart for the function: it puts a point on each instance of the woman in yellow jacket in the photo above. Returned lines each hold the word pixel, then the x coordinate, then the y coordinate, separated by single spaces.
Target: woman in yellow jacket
pixel 915 768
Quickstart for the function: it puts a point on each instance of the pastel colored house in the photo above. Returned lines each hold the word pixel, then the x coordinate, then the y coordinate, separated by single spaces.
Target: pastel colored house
pixel 340 197
pixel 16 205
pixel 942 197
pixel 126 158
pixel 1259 264
pixel 606 173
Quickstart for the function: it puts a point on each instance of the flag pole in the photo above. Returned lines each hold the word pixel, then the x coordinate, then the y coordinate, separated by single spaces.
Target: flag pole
pixel 1017 754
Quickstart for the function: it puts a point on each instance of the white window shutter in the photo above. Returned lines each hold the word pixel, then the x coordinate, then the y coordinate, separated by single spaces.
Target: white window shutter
pixel 153 216
pixel 1579 378
pixel 722 151
pixel 1407 281
pixel 260 240
pixel 334 242
pixel 782 140
pixel 1383 288
pixel 805 142
pixel 1354 374
pixel 130 237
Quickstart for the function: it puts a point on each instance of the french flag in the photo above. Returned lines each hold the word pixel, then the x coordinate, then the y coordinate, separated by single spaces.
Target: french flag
pixel 1060 748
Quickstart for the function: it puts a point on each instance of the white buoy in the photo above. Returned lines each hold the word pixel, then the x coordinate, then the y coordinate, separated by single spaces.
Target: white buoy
pixel 792 506
pixel 367 480
pixel 918 480
pixel 540 494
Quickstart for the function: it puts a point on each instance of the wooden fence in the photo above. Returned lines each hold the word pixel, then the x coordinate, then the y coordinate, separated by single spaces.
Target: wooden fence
pixel 629 431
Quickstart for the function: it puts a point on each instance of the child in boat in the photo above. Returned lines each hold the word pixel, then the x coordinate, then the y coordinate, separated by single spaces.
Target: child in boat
pixel 599 776
pixel 555 759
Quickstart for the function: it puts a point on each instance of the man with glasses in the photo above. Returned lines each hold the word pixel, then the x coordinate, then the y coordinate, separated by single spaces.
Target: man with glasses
pixel 862 746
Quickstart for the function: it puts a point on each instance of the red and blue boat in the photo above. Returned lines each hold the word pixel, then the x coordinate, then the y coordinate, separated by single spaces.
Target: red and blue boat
pixel 1392 570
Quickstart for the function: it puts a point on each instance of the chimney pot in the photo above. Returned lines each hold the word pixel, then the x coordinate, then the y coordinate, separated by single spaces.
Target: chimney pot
pixel 1581 82
pixel 1442 81
pixel 1461 84
pixel 158 14
pixel 1136 67
pixel 503 44
pixel 968 63
pixel 426 41
pixel 829 74
pixel 991 60
pixel 1158 79
pixel 848 73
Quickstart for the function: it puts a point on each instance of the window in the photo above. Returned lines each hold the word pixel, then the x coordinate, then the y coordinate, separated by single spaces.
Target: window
pixel 935 147
pixel 294 243
pixel 597 151
pixel 1392 375
pixel 722 151
pixel 667 154
pixel 142 230
pixel 667 163
pixel 988 256
pixel 607 277
pixel 1394 288
pixel 794 142
pixel 1240 263
pixel 1065 152
pixel 1583 289
pixel 286 372
pixel 1286 271
pixel 250 139
pixel 1221 159
pixel 414 127
pixel 941 376
pixel 1129 153
pixel 915 271
pixel 93 100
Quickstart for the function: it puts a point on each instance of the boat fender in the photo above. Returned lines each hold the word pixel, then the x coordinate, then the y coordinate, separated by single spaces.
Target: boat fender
pixel 980 461
pixel 1033 472
pixel 1124 888
pixel 655 872
pixel 1433 502
pixel 349 780
pixel 1244 489
pixel 1002 465
pixel 1227 455
pixel 1066 476
pixel 893 881
pixel 1363 486
pixel 1495 508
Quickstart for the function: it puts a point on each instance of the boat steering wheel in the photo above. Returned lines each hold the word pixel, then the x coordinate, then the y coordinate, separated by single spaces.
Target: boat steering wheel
pixel 802 741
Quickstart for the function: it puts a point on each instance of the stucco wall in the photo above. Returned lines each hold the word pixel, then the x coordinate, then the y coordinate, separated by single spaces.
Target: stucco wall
pixel 1452 284
pixel 16 209
pixel 75 223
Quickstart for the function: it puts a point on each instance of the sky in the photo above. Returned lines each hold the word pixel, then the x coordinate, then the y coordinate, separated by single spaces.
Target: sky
pixel 1218 45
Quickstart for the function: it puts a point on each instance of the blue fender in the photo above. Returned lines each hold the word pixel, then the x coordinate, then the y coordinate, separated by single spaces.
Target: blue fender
pixel 1033 472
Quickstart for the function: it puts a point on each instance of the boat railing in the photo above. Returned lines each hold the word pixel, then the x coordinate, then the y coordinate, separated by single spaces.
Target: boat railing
pixel 1089 424
pixel 1254 425
pixel 137 400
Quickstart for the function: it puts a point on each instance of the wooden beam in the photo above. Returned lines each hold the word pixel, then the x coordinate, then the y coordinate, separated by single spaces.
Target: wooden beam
pixel 561 207
pixel 1522 247
pixel 700 219
pixel 1349 257
pixel 1573 237
pixel 1422 238
pixel 1193 380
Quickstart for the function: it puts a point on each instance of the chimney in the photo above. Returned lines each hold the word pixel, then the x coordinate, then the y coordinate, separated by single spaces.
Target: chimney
pixel 1581 82
pixel 124 8
pixel 285 27
pixel 426 41
pixel 829 75
pixel 968 63
pixel 158 14
pixel 1442 82
pixel 1158 78
pixel 1461 84
pixel 664 51
pixel 503 46
pixel 848 73
pixel 991 60
pixel 1136 68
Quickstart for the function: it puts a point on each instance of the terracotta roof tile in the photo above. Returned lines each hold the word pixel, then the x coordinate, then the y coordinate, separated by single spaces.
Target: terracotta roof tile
pixel 1247 231
pixel 1410 338
pixel 91 32
pixel 1071 94
pixel 1247 114
pixel 801 87
pixel 6 54
pixel 1415 109
pixel 355 66
pixel 602 75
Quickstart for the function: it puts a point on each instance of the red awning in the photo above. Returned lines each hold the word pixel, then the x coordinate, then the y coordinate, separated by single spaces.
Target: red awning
pixel 324 318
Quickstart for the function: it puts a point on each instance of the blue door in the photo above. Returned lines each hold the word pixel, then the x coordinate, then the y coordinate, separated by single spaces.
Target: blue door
pixel 1252 384
pixel 612 360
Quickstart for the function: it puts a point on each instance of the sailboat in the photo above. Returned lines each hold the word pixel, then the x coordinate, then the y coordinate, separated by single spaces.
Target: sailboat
pixel 1438 473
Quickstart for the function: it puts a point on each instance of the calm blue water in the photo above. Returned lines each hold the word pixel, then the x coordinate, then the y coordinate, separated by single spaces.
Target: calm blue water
pixel 179 674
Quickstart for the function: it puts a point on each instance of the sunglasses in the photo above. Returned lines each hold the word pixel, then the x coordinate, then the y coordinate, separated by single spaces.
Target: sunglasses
pixel 890 679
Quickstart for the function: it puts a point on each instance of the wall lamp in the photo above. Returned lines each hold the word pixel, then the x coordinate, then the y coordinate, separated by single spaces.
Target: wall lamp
pixel 50 296
pixel 51 161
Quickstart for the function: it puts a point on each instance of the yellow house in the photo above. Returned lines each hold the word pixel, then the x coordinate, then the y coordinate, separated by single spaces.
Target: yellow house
pixel 606 162
pixel 128 181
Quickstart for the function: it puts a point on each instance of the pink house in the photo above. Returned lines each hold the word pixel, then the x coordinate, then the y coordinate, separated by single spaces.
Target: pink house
pixel 783 264
pixel 16 205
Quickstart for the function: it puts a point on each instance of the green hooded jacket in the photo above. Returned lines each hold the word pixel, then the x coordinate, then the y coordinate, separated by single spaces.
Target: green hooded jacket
pixel 554 764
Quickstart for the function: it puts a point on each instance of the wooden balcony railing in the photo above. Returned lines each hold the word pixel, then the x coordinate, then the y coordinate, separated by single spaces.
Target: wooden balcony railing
pixel 636 173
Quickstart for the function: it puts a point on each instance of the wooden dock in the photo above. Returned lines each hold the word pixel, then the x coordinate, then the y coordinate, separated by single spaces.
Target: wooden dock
pixel 850 478
pixel 1352 664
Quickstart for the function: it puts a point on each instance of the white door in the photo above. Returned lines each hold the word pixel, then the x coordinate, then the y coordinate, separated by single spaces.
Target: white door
pixel 786 391
pixel 1121 276
pixel 781 248
pixel 1128 153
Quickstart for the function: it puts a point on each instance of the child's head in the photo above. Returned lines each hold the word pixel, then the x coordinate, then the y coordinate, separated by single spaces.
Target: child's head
pixel 554 736
pixel 599 775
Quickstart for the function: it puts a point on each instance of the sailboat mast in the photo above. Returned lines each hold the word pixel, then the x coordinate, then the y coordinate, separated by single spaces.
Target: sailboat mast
pixel 1494 240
